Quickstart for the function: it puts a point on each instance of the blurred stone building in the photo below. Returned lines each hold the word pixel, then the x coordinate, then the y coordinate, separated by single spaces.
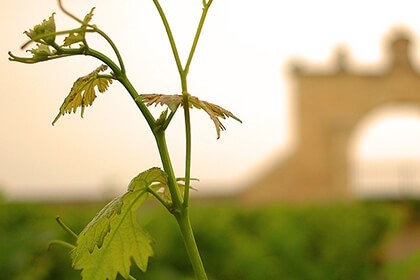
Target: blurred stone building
pixel 330 104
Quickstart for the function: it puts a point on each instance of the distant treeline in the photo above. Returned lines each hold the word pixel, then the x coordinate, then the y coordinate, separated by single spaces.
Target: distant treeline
pixel 306 242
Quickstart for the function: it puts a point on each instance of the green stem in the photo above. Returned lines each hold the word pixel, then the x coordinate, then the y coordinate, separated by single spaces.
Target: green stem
pixel 197 35
pixel 167 166
pixel 136 97
pixel 184 223
pixel 65 52
pixel 169 119
pixel 60 4
pixel 45 35
pixel 185 103
pixel 114 67
pixel 117 74
pixel 188 145
pixel 114 48
pixel 159 198
pixel 99 31
pixel 182 217
pixel 170 36
pixel 66 228
pixel 61 243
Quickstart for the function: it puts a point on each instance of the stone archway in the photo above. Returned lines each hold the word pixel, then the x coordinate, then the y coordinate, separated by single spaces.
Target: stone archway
pixel 390 169
pixel 330 105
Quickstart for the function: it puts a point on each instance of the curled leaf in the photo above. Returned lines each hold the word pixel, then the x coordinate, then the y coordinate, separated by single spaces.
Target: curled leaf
pixel 162 117
pixel 83 93
pixel 79 36
pixel 173 101
pixel 214 111
pixel 43 32
pixel 88 17
pixel 41 52
pixel 170 100
pixel 73 38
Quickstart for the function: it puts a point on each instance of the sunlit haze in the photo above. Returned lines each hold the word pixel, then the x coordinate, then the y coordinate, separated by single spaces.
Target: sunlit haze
pixel 241 64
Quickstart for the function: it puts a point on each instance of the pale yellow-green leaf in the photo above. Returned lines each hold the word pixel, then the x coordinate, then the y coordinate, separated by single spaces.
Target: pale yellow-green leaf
pixel 73 38
pixel 79 36
pixel 114 240
pixel 83 92
pixel 88 17
pixel 162 117
pixel 41 52
pixel 43 32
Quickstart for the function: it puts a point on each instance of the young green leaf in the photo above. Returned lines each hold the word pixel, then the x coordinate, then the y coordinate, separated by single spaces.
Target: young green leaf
pixel 82 93
pixel 114 239
pixel 173 101
pixel 43 32
pixel 76 37
pixel 73 38
pixel 41 52
pixel 161 120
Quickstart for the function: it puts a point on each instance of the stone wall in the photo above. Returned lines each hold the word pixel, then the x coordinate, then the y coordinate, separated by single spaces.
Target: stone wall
pixel 329 106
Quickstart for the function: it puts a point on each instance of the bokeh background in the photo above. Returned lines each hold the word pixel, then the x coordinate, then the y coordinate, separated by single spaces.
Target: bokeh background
pixel 243 64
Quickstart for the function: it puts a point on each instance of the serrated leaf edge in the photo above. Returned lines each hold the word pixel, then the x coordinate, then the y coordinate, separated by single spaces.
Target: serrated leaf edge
pixel 172 101
pixel 139 199
pixel 74 93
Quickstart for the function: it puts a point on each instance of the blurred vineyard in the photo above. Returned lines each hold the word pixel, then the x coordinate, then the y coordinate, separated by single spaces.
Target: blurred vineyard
pixel 346 241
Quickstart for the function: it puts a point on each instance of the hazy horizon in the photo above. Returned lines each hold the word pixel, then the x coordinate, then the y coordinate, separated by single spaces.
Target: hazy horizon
pixel 241 64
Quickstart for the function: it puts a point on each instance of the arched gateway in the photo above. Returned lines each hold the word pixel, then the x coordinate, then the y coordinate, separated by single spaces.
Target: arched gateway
pixel 329 106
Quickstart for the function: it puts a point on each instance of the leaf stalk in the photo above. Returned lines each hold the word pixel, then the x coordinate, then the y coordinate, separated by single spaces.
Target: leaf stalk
pixel 184 223
pixel 167 166
pixel 183 218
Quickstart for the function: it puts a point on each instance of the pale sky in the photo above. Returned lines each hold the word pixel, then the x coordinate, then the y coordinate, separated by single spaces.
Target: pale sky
pixel 240 64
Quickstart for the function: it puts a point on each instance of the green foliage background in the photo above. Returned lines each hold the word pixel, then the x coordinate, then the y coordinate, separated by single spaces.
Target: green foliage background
pixel 305 242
